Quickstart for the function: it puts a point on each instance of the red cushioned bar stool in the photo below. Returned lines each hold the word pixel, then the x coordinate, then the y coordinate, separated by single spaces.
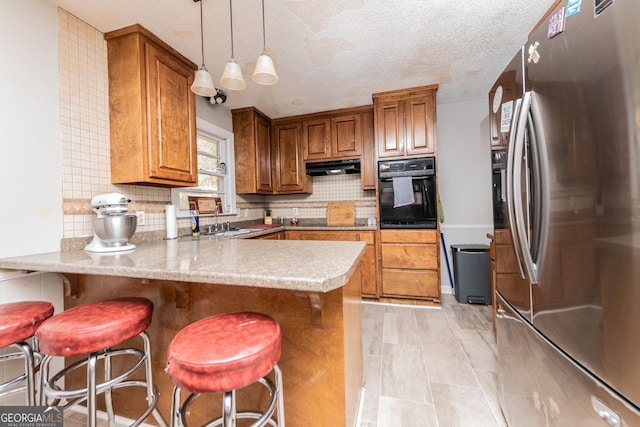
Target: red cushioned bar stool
pixel 18 323
pixel 93 329
pixel 222 354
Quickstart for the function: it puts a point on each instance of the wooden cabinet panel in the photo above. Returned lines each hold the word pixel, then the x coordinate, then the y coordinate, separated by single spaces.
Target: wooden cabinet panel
pixel 515 287
pixel 369 283
pixel 288 165
pixel 368 164
pixel 390 128
pixel 169 97
pixel 330 235
pixel 280 235
pixel 346 135
pixel 252 149
pixel 151 111
pixel 420 125
pixel 405 122
pixel 409 283
pixel 409 236
pixel 412 256
pixel 332 136
pixel 507 260
pixel 316 141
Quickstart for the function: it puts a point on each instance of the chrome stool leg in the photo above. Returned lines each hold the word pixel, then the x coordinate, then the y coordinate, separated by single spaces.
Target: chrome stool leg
pixel 108 400
pixel 278 374
pixel 91 389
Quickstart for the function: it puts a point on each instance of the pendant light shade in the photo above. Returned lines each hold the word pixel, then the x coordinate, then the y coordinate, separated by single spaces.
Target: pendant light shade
pixel 232 77
pixel 203 82
pixel 265 71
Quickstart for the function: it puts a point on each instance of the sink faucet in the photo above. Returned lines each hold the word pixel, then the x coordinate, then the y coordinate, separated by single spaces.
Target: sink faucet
pixel 216 219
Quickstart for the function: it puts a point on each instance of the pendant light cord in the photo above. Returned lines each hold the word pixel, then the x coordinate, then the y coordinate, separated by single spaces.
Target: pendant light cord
pixel 264 37
pixel 201 33
pixel 231 17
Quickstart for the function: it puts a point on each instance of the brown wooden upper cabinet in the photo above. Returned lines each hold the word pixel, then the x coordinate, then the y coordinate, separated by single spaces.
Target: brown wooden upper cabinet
pixel 332 137
pixel 252 148
pixel 151 110
pixel 405 122
pixel 288 170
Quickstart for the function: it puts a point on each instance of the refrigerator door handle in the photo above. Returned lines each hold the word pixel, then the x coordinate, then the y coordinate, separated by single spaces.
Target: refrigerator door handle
pixel 510 184
pixel 532 245
pixel 521 227
pixel 516 220
pixel 540 208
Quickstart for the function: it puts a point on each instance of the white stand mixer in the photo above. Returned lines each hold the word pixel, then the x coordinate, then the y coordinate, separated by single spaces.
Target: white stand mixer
pixel 112 227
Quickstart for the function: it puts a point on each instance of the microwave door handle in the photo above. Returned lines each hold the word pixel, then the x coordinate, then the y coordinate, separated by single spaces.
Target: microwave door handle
pixel 510 184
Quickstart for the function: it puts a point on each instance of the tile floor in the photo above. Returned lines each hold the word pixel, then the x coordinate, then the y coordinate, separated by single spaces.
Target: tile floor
pixel 423 367
pixel 430 366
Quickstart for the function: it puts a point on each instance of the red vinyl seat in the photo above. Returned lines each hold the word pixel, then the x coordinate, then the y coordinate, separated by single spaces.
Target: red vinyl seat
pixel 19 321
pixel 93 329
pixel 222 353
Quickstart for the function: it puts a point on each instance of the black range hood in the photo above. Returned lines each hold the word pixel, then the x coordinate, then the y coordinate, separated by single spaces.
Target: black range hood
pixel 334 167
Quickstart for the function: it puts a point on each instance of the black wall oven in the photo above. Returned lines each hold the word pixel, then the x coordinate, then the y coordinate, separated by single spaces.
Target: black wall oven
pixel 407 193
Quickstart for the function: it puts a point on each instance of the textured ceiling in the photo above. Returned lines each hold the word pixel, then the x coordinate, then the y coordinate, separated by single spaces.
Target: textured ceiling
pixel 335 53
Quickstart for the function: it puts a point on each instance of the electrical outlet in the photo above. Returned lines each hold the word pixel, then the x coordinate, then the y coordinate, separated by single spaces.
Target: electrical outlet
pixel 246 213
pixel 295 212
pixel 141 217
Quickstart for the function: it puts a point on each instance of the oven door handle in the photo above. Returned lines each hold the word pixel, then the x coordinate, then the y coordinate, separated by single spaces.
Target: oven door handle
pixel 412 177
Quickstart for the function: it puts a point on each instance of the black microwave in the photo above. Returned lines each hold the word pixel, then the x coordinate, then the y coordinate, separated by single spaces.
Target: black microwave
pixel 407 193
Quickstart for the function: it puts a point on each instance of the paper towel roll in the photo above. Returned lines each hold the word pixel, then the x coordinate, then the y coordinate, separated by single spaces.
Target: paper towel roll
pixel 171 222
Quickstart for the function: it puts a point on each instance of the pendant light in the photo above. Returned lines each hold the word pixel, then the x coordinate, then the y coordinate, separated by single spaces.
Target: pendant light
pixel 265 72
pixel 203 82
pixel 232 76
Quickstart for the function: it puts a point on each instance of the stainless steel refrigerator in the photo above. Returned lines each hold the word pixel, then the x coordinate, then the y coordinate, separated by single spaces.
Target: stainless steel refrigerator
pixel 567 112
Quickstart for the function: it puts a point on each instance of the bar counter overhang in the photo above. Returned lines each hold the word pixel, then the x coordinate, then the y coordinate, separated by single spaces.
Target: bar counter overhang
pixel 312 288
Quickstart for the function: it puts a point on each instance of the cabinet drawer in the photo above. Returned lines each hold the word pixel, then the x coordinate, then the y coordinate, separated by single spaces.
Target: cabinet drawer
pixel 330 235
pixel 409 256
pixel 416 283
pixel 408 236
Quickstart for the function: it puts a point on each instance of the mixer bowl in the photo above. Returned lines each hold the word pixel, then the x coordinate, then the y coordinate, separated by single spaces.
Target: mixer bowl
pixel 115 230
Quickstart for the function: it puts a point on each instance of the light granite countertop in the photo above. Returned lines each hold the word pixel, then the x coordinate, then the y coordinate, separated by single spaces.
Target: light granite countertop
pixel 311 266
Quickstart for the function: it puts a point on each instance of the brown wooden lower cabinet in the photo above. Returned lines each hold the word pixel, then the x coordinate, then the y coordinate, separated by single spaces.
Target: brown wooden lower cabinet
pixel 369 265
pixel 409 261
pixel 280 235
pixel 409 282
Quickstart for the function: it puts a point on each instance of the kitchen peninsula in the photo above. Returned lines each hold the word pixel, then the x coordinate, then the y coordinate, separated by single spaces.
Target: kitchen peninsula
pixel 312 288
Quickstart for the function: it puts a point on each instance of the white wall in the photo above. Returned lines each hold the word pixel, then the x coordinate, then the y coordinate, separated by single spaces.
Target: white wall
pixel 464 173
pixel 30 153
pixel 220 115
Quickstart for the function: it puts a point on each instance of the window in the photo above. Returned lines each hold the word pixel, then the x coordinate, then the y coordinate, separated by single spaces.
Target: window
pixel 216 176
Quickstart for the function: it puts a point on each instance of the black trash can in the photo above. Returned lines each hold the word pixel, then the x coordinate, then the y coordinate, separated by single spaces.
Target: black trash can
pixel 472 274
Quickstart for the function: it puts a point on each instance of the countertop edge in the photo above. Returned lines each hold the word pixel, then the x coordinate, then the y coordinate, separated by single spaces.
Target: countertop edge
pixel 240 277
